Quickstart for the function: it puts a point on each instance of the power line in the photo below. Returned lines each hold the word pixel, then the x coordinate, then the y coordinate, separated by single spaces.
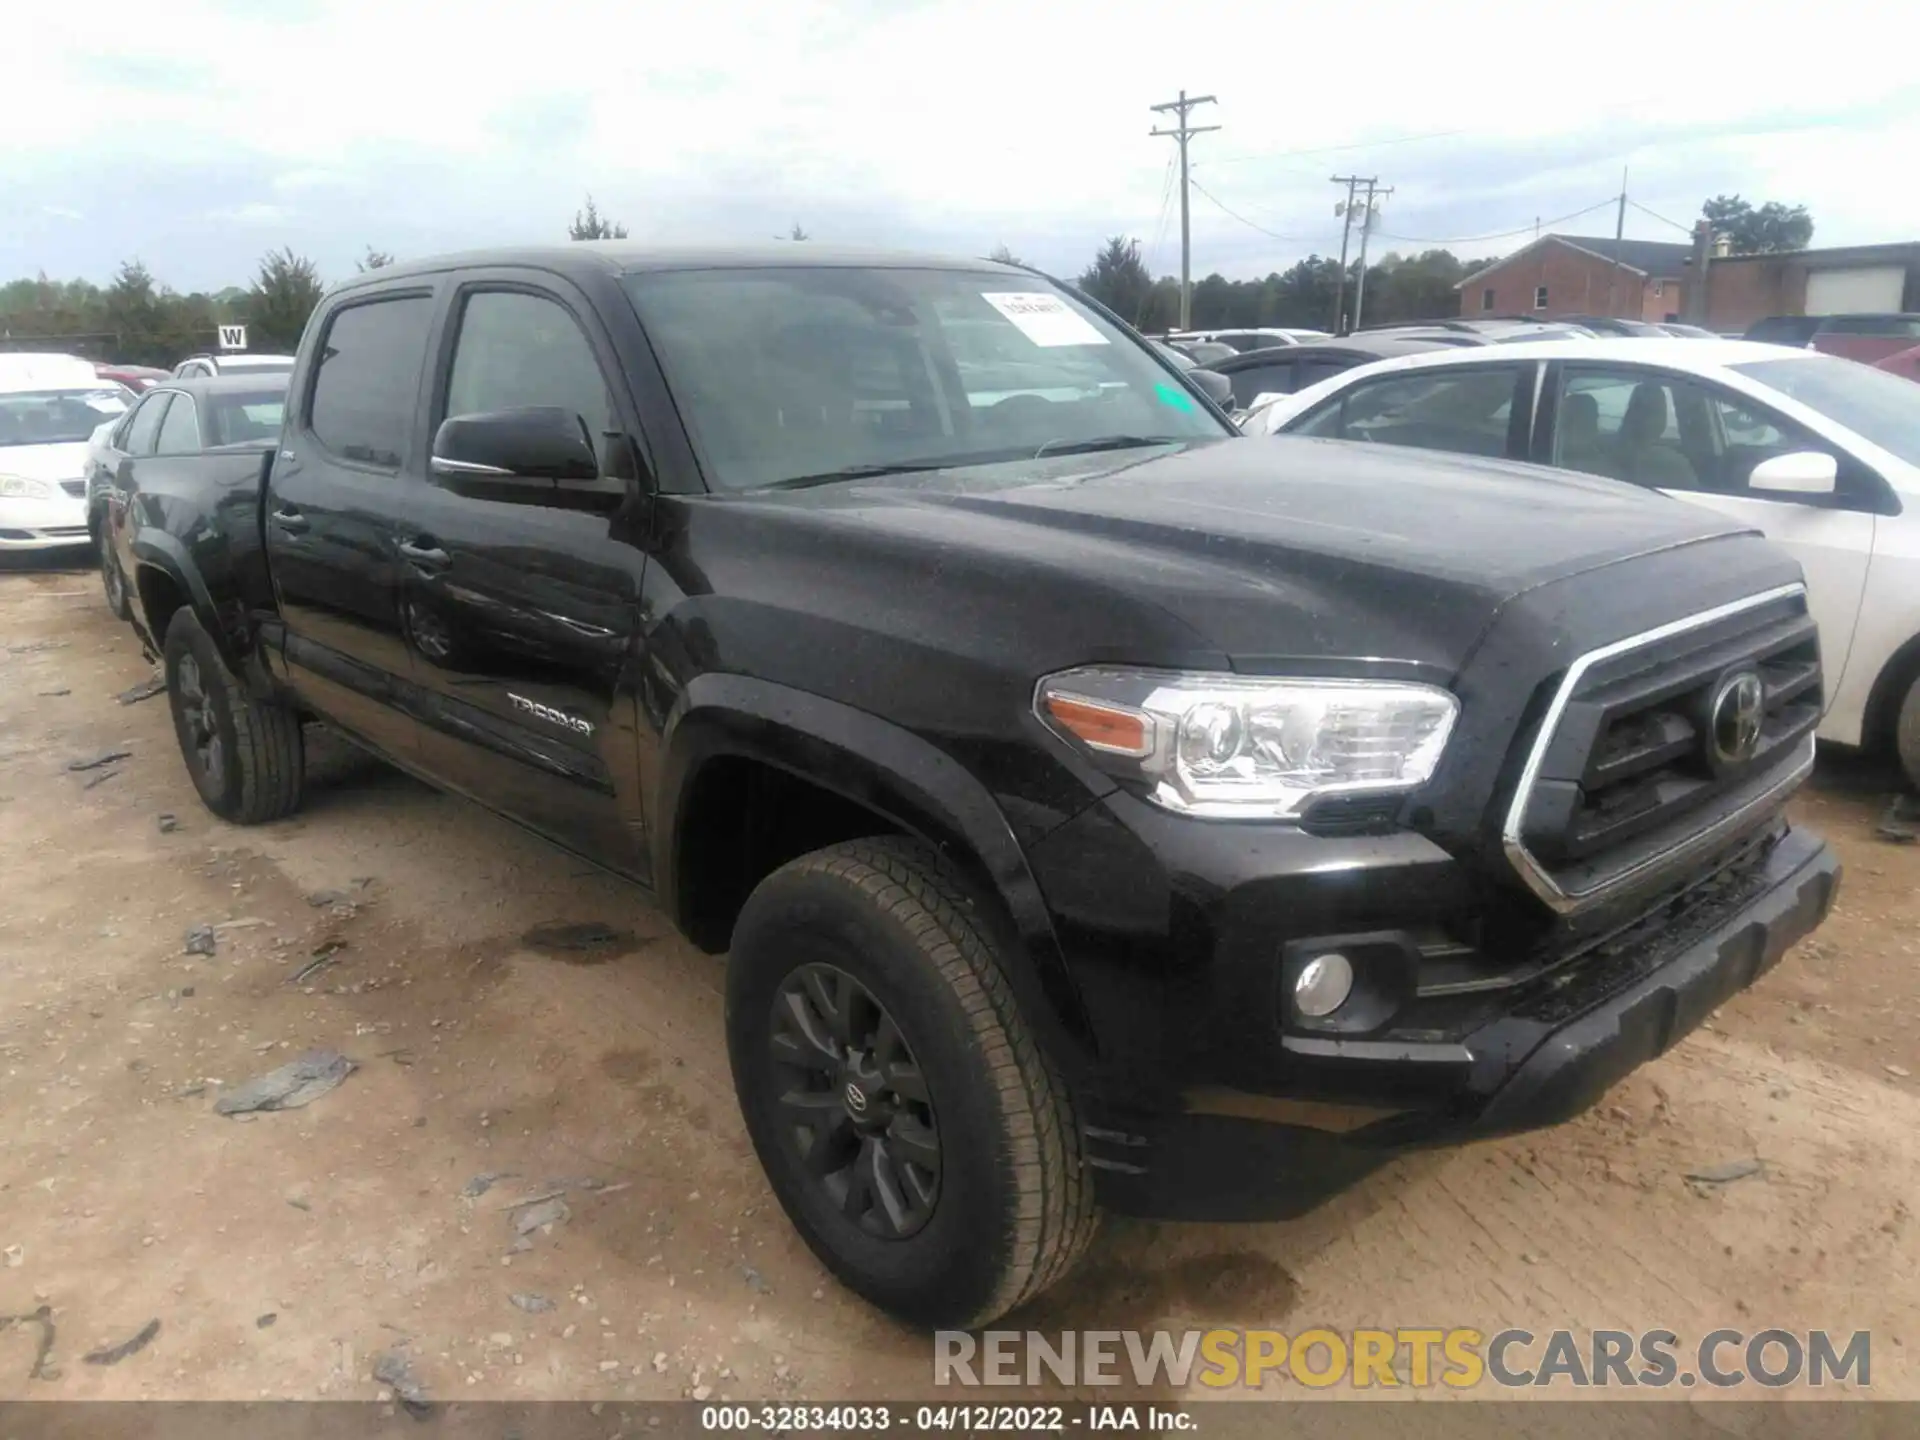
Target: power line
pixel 1250 224
pixel 1502 234
pixel 1687 229
pixel 1160 223
pixel 1182 132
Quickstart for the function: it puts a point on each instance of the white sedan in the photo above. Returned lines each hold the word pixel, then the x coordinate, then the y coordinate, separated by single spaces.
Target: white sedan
pixel 50 407
pixel 1820 454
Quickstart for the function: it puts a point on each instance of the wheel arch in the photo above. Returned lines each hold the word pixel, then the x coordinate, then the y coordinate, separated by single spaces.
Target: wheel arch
pixel 907 785
pixel 1882 714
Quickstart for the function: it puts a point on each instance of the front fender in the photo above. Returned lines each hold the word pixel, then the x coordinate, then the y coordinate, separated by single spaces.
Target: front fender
pixel 888 770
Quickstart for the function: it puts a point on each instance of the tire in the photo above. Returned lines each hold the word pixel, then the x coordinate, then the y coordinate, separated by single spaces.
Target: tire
pixel 1906 735
pixel 113 579
pixel 246 756
pixel 1011 1205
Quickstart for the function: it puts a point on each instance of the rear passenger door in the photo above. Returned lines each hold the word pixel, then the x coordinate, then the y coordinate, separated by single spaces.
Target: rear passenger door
pixel 523 618
pixel 352 458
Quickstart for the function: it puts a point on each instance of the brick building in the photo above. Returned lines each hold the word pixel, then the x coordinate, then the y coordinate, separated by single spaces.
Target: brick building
pixel 1577 275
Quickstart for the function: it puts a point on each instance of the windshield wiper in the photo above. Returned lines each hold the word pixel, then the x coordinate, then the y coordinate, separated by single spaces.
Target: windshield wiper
pixel 856 472
pixel 1105 442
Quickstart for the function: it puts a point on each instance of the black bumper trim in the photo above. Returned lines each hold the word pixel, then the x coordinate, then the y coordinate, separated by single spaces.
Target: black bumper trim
pixel 1217 1167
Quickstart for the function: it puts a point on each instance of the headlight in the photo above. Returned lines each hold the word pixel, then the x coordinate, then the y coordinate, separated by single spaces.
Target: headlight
pixel 1248 747
pixel 18 487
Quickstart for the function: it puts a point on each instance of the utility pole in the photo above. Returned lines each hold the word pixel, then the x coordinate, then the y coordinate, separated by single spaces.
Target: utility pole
pixel 1183 132
pixel 1366 229
pixel 1619 229
pixel 1345 210
pixel 1694 301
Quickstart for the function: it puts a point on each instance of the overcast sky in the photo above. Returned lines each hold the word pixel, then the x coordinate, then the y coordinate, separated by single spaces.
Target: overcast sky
pixel 200 134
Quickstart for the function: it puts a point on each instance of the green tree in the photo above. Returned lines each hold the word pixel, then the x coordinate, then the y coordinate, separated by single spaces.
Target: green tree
pixel 131 308
pixel 373 260
pixel 590 224
pixel 1119 280
pixel 284 294
pixel 1764 230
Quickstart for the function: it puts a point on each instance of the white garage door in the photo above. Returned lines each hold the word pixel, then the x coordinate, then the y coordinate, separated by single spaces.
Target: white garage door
pixel 1845 292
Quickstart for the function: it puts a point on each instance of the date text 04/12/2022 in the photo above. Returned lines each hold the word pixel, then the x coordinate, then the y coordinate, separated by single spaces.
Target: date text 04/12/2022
pixel 963 1419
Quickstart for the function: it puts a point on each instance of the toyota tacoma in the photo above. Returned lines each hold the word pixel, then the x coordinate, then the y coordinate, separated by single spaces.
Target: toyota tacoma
pixel 1097 809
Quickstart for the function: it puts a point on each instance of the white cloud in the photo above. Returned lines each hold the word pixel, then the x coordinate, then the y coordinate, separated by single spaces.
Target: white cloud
pixel 985 121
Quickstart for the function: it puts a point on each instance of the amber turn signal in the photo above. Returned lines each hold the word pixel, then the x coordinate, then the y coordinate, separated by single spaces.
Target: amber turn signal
pixel 1110 728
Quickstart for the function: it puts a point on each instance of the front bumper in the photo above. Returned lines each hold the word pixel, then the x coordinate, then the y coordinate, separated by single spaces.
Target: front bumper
pixel 58 521
pixel 1517 1073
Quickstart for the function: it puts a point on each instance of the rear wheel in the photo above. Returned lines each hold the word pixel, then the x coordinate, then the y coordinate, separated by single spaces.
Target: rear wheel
pixel 245 755
pixel 113 579
pixel 1907 734
pixel 908 1122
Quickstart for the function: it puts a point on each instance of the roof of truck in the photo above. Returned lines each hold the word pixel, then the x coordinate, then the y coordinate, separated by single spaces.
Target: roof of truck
pixel 623 257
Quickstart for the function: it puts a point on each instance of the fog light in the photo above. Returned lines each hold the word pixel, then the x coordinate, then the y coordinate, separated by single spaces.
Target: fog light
pixel 1323 985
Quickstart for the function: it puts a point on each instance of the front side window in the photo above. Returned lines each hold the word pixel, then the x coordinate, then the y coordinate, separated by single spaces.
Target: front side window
pixel 1670 432
pixel 1465 411
pixel 180 431
pixel 57 417
pixel 367 379
pixel 517 350
pixel 794 375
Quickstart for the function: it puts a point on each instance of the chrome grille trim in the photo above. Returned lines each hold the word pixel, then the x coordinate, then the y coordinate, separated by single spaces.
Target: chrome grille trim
pixel 1538 878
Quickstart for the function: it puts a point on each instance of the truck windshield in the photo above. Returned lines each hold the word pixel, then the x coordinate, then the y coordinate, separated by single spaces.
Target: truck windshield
pixel 1876 405
pixel 810 372
pixel 56 417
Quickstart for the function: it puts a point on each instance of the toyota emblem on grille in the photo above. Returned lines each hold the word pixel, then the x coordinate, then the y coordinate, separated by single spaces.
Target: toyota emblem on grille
pixel 1738 710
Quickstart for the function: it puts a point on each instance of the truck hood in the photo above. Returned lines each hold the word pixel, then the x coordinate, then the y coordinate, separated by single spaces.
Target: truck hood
pixel 1265 551
pixel 64 461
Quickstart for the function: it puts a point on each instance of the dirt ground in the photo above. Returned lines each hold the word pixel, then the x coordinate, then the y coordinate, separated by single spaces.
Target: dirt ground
pixel 514 1014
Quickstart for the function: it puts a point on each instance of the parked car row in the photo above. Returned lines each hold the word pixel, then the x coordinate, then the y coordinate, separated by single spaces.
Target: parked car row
pixel 1820 454
pixel 1096 807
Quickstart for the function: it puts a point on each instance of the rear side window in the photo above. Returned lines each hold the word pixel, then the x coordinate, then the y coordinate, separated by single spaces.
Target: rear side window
pixel 1467 412
pixel 180 431
pixel 144 428
pixel 367 379
pixel 1257 380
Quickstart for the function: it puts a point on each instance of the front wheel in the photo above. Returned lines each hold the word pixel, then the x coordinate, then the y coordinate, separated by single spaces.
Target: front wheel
pixel 908 1122
pixel 245 755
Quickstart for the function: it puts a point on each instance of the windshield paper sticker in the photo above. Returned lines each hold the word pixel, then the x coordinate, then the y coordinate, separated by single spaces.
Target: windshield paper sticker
pixel 1045 319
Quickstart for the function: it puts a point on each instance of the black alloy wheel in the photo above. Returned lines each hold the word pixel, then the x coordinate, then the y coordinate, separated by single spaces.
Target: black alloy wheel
pixel 854 1102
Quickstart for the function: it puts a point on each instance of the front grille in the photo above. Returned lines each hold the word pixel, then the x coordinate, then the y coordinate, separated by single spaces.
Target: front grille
pixel 75 488
pixel 1657 743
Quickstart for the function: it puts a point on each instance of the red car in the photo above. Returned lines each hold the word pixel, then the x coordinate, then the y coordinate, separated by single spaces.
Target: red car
pixel 1903 362
pixel 135 377
pixel 1866 338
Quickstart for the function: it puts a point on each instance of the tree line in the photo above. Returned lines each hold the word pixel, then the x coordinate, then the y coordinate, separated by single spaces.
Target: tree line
pixel 137 320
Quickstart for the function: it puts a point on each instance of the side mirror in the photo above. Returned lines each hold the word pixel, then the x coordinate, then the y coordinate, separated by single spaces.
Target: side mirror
pixel 1216 386
pixel 1804 472
pixel 535 455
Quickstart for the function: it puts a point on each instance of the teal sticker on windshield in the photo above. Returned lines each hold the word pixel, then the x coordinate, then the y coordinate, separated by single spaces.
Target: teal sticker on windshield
pixel 1178 399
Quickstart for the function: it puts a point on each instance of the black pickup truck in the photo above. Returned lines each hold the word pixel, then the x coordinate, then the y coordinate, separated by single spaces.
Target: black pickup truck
pixel 1098 808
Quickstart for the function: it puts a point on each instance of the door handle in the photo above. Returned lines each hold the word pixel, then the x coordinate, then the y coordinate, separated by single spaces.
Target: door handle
pixel 424 557
pixel 290 520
